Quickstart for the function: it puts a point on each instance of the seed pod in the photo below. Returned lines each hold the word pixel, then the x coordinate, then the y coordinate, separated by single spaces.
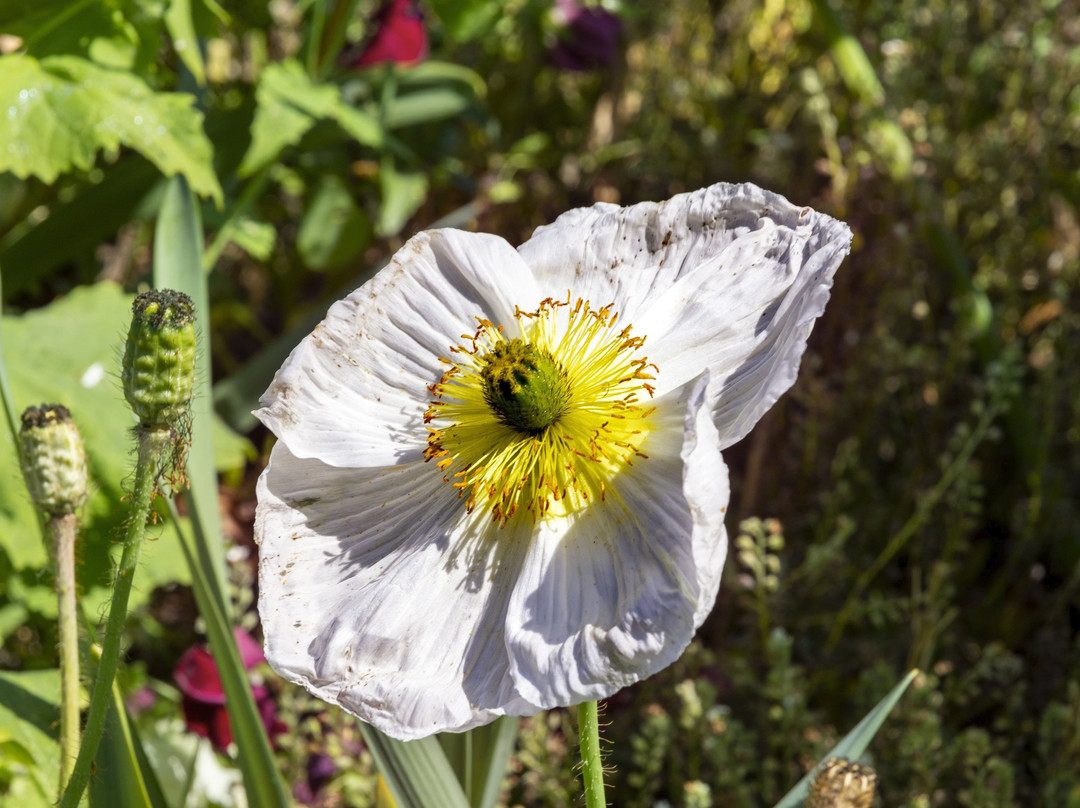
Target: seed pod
pixel 53 459
pixel 842 783
pixel 159 359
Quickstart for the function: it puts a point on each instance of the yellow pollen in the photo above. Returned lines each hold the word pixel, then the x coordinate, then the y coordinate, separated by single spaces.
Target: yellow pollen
pixel 572 462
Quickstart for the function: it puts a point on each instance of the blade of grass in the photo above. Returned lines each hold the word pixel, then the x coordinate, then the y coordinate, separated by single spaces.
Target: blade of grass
pixel 262 781
pixel 417 772
pixel 854 743
pixel 178 265
pixel 119 778
pixel 480 757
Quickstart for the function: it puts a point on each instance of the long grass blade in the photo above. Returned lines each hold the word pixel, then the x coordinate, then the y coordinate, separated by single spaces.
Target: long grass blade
pixel 178 247
pixel 262 781
pixel 417 772
pixel 854 743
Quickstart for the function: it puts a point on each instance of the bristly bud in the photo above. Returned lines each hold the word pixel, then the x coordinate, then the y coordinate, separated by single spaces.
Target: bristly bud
pixel 842 783
pixel 159 359
pixel 53 459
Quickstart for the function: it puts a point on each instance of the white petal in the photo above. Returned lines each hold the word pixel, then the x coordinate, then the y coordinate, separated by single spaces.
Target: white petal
pixel 353 393
pixel 612 594
pixel 728 278
pixel 375 597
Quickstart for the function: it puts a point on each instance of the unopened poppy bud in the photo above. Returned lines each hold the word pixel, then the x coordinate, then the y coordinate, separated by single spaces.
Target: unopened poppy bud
pixel 159 359
pixel 842 783
pixel 53 459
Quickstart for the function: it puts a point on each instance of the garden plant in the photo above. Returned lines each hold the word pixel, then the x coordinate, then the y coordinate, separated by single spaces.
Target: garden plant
pixel 539 403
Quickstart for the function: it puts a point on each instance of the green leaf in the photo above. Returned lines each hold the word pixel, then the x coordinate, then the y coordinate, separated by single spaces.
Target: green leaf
pixel 417 772
pixel 464 19
pixel 262 781
pixel 29 751
pixel 57 114
pixel 67 353
pixel 480 758
pixel 402 195
pixel 121 775
pixel 289 104
pixel 854 743
pixel 82 27
pixel 178 244
pixel 178 265
pixel 424 106
pixel 334 230
pixel 181 27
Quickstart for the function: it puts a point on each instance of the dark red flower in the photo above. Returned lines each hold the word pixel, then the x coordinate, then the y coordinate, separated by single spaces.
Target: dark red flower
pixel 203 702
pixel 588 36
pixel 400 36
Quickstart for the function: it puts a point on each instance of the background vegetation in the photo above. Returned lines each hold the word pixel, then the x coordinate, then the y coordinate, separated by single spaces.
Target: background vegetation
pixel 913 502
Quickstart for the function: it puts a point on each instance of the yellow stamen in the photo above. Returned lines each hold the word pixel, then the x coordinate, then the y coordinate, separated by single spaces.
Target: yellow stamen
pixel 511 467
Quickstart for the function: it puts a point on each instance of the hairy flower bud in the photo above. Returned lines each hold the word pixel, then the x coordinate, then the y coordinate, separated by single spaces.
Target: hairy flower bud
pixel 53 459
pixel 159 359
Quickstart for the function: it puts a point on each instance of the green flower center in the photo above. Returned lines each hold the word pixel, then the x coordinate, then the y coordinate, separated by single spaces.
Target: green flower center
pixel 524 386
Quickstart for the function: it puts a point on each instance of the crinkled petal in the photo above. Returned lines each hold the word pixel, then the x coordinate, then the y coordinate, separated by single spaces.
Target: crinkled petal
pixel 376 595
pixel 729 278
pixel 614 593
pixel 353 393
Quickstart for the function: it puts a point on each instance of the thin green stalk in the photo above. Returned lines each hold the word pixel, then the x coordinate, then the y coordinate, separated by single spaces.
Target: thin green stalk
pixel 592 767
pixel 63 529
pixel 155 447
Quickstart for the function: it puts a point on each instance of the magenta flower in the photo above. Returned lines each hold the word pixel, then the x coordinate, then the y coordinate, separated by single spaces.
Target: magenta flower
pixel 197 676
pixel 400 36
pixel 588 36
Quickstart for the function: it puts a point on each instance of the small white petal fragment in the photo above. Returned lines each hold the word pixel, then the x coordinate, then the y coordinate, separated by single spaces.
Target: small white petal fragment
pixel 482 503
pixel 92 376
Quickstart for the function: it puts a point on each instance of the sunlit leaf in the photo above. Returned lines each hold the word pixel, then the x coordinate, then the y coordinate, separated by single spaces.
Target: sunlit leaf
pixel 57 114
pixel 29 751
pixel 289 104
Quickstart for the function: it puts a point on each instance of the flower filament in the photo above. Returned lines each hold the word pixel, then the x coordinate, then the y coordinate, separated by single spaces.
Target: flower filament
pixel 544 422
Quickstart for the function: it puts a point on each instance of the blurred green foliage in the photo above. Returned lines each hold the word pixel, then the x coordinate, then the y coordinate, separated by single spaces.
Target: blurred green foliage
pixel 922 478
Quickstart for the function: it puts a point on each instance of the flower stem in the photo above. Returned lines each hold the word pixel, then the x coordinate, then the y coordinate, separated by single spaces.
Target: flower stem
pixel 63 529
pixel 155 447
pixel 592 768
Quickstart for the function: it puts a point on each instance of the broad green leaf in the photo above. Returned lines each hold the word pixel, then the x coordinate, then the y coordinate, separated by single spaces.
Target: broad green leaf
pixel 29 751
pixel 854 743
pixel 417 772
pixel 82 27
pixel 58 113
pixel 334 230
pixel 289 104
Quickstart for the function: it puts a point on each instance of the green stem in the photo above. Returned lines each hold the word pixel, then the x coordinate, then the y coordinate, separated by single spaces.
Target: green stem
pixel 63 529
pixel 592 767
pixel 155 446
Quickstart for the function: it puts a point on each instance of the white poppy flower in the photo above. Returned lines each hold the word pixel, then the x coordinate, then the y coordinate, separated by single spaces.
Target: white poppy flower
pixel 497 486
